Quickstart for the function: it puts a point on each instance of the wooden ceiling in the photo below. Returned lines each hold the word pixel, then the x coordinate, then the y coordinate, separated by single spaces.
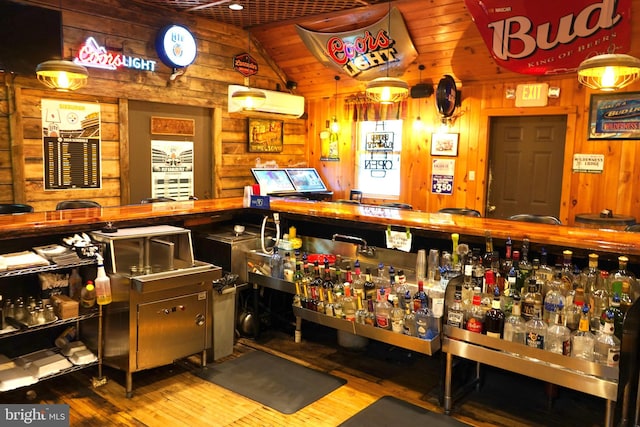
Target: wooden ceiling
pixel 442 31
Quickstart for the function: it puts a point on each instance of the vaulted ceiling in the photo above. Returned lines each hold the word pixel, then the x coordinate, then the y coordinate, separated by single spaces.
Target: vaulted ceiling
pixel 442 32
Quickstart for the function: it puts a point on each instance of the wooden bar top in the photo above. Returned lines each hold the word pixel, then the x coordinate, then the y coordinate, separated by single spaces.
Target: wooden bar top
pixel 50 222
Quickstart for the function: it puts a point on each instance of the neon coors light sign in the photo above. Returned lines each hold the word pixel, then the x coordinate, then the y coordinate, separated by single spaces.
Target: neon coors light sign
pixel 93 55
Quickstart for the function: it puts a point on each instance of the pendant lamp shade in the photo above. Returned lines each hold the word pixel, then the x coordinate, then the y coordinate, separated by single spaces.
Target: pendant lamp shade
pixel 387 90
pixel 249 99
pixel 609 72
pixel 62 75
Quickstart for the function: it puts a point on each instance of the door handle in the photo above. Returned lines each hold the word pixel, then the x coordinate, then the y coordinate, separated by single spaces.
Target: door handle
pixel 491 208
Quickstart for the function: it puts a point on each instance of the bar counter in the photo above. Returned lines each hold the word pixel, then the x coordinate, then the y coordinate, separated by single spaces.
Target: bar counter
pixel 203 211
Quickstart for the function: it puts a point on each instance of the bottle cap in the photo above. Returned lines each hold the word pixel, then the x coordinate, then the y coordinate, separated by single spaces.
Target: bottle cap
pixel 90 287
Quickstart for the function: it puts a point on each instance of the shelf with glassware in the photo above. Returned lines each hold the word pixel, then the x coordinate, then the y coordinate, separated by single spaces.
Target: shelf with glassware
pixel 34 359
pixel 589 377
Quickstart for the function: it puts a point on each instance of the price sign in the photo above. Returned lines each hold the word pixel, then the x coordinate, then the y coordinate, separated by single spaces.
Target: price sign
pixel 442 174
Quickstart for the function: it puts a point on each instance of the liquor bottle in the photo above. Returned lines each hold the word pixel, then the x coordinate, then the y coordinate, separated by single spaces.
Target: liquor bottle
pixel 370 317
pixel 299 299
pixel 338 286
pixel 536 328
pixel 524 265
pixel 338 307
pixel 102 285
pixel 328 305
pixel 530 298
pixel 477 274
pixel 514 325
pixel 383 311
pixel 315 286
pixel 573 311
pixel 490 284
pixel 567 270
pixel 410 322
pixel 358 281
pixel 467 287
pixel 327 282
pixel 424 324
pixel 488 250
pixel 277 264
pixel 75 284
pixel 544 271
pixel 494 320
pixel 320 302
pixel 307 277
pixel 436 299
pixel 349 305
pixel 455 314
pixel 594 285
pixel 361 312
pixel 400 289
pixel 369 287
pixel 582 340
pixel 87 295
pixel 552 300
pixel 381 280
pixel 420 298
pixel 510 286
pixel 618 316
pixel 622 276
pixel 507 262
pixel 558 339
pixel 288 267
pixel 625 298
pixel 607 345
pixel 476 317
pixel 397 317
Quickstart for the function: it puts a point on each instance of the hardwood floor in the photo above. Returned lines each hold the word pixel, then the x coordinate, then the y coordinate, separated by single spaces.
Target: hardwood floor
pixel 173 396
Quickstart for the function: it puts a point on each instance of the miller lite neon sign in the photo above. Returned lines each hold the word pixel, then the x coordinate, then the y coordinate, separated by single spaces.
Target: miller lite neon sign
pixel 91 54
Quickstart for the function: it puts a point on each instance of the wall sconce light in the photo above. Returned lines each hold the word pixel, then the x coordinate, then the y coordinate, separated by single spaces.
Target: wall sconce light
pixel 609 72
pixel 62 75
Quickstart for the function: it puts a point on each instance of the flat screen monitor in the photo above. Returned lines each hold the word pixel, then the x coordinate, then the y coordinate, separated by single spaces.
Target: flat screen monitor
pixel 306 179
pixel 29 35
pixel 273 180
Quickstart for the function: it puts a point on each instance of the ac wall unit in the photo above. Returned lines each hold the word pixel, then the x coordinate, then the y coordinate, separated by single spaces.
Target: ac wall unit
pixel 276 102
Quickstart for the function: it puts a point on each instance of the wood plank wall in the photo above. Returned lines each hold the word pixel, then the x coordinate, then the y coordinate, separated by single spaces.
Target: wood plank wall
pixel 122 25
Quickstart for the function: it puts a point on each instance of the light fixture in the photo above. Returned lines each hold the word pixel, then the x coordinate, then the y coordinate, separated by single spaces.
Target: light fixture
pixel 387 90
pixel 62 75
pixel 236 6
pixel 248 98
pixel 609 72
pixel 335 126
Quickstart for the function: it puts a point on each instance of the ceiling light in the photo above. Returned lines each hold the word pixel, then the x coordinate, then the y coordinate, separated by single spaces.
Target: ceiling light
pixel 249 99
pixel 62 75
pixel 609 72
pixel 236 6
pixel 387 90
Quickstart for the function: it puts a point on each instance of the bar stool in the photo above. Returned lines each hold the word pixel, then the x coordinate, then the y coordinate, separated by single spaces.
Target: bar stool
pixel 540 219
pixel 76 204
pixel 11 208
pixel 461 211
pixel 157 200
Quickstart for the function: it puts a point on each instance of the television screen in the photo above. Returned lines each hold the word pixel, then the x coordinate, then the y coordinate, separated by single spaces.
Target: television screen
pixel 306 179
pixel 29 35
pixel 273 180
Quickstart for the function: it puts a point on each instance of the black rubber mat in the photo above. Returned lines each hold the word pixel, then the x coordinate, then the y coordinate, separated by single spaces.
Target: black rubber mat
pixel 392 412
pixel 271 380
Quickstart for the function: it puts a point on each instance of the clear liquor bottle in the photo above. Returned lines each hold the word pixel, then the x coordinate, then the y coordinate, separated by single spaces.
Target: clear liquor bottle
pixel 514 325
pixel 567 270
pixel 544 271
pixel 530 299
pixel 397 317
pixel 558 339
pixel 467 287
pixel 618 316
pixel 536 328
pixel 622 276
pixel 625 298
pixel 327 281
pixel 288 267
pixel 361 312
pixel 455 313
pixel 277 264
pixel 383 311
pixel 582 340
pixel 607 345
pixel 525 267
pixel 297 297
pixel 425 323
pixel 328 305
pixel 595 285
pixel 494 320
pixel 358 281
pixel 552 300
pixel 400 289
pixel 338 307
pixel 573 311
pixel 410 322
pixel 349 305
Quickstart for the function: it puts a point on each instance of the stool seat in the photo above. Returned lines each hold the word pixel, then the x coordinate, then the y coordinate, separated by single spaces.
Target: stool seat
pixel 540 219
pixel 157 200
pixel 77 204
pixel 11 208
pixel 461 211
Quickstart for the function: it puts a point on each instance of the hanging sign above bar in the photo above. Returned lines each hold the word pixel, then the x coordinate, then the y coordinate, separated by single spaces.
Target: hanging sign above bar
pixel 92 55
pixel 365 53
pixel 550 36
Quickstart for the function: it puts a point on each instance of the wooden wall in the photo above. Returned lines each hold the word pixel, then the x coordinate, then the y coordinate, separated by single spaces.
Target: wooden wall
pixel 122 25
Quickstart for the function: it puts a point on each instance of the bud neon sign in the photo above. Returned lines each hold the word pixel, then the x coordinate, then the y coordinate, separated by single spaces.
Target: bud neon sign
pixel 93 55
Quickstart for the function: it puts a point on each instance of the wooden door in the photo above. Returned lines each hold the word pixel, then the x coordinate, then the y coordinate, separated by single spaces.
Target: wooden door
pixel 526 157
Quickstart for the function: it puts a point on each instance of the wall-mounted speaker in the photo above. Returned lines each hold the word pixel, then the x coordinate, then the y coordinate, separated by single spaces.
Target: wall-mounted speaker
pixel 421 90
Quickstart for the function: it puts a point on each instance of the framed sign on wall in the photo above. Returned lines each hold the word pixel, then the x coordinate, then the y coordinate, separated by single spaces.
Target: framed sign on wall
pixel 614 116
pixel 444 144
pixel 265 136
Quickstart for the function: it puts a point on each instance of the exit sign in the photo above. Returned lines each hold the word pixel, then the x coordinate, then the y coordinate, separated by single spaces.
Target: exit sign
pixel 532 95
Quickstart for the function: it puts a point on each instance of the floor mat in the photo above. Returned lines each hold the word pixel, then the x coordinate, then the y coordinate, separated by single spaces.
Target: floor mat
pixel 271 380
pixel 392 412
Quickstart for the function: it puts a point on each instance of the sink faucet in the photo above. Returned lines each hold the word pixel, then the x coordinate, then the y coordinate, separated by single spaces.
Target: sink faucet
pixel 363 248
